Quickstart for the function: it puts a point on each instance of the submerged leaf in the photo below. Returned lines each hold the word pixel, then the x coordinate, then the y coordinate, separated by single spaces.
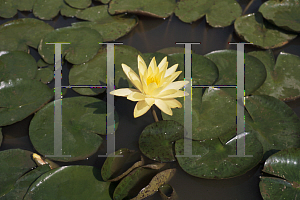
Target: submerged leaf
pixel 167 192
pixel 285 166
pixel 219 13
pixel 115 168
pixel 78 51
pixel 284 13
pixel 75 182
pixel 18 34
pixel 154 8
pixel 282 80
pixel 20 98
pixel 253 28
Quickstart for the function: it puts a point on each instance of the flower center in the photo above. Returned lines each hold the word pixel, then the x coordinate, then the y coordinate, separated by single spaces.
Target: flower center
pixel 153 79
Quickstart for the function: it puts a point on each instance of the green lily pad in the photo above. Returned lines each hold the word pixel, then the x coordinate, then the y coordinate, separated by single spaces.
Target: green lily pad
pixel 17 64
pixel 285 166
pixel 137 181
pixel 68 11
pixel 45 75
pixel 22 184
pixel 83 118
pixel 284 14
pixel 104 1
pixel 81 4
pixel 20 98
pixel 167 192
pixel 171 50
pixel 153 8
pixel 277 125
pixel 157 181
pixel 9 8
pixel 78 51
pixel 18 34
pixel 219 13
pixel 282 80
pixel 213 161
pixel 157 139
pixel 110 27
pixel 115 168
pixel 47 10
pixel 14 163
pixel 75 182
pixel 42 64
pixel 204 71
pixel 253 28
pixel 255 71
pixel 206 109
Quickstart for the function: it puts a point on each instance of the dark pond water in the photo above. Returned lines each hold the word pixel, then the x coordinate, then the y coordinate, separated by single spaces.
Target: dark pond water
pixel 149 36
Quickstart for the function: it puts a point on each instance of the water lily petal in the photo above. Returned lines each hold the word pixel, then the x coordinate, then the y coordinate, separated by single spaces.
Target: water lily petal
pixel 136 96
pixel 142 69
pixel 152 65
pixel 171 70
pixel 176 85
pixel 152 86
pixel 168 80
pixel 150 101
pixel 140 108
pixel 162 63
pixel 163 106
pixel 179 93
pixel 140 59
pixel 162 73
pixel 166 92
pixel 135 80
pixel 173 103
pixel 123 92
pixel 133 77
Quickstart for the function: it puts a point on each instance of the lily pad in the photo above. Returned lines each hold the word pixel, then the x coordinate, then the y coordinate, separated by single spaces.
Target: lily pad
pixel 45 75
pixel 285 166
pixel 18 34
pixel 83 118
pixel 219 13
pixel 14 163
pixel 277 125
pixel 70 180
pixel 213 161
pixel 137 181
pixel 22 184
pixel 110 27
pixel 47 10
pixel 104 1
pixel 81 4
pixel 255 71
pixel 216 110
pixel 20 98
pixel 171 50
pixel 9 8
pixel 253 28
pixel 78 51
pixel 284 14
pixel 282 80
pixel 17 64
pixel 157 139
pixel 204 71
pixel 115 168
pixel 153 8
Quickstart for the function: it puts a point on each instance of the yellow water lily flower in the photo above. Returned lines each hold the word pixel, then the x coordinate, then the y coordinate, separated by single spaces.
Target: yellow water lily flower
pixel 153 86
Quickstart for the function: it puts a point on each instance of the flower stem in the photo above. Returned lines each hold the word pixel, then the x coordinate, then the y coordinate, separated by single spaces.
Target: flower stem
pixel 154 114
